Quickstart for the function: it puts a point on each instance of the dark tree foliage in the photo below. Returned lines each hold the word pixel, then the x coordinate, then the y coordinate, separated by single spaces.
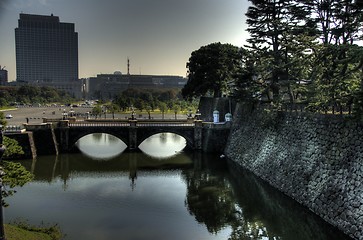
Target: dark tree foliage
pixel 337 21
pixel 276 29
pixel 338 61
pixel 33 94
pixel 146 99
pixel 304 51
pixel 211 70
pixel 248 88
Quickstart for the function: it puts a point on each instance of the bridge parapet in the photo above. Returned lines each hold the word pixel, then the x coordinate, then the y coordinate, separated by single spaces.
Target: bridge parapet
pixel 131 123
pixel 217 126
pixel 34 127
pixel 99 124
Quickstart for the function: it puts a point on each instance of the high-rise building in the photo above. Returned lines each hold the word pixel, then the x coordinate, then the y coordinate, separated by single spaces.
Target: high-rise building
pixel 3 75
pixel 46 50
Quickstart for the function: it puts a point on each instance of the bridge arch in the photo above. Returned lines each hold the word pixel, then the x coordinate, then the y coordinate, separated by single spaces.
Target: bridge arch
pixel 77 134
pixel 100 146
pixel 144 134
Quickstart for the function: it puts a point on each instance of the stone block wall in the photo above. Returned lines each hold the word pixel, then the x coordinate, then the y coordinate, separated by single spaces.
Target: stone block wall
pixel 215 137
pixel 26 141
pixel 45 141
pixel 316 160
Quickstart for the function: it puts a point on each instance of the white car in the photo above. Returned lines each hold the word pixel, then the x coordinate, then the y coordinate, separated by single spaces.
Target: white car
pixel 8 116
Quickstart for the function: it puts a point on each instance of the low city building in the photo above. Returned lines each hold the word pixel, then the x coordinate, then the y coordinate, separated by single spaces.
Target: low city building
pixel 107 86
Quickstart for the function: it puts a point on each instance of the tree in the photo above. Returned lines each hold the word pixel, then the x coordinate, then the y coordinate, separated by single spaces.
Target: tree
pixel 338 78
pixel 97 111
pixel 212 68
pixel 163 108
pixel 15 173
pixel 13 149
pixel 276 29
pixel 176 109
pixel 113 108
pixel 148 109
pixel 338 61
pixel 305 50
pixel 140 105
pixel 248 88
pixel 337 21
pixel 121 102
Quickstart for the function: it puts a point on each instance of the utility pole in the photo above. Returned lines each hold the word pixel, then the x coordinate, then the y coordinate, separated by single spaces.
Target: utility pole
pixel 128 66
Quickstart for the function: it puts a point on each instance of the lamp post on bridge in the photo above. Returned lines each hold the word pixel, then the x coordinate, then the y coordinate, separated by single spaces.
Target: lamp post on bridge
pixel 132 113
pixel 197 115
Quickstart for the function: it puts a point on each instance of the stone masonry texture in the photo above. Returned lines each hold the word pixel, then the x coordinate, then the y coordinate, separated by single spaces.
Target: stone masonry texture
pixel 315 159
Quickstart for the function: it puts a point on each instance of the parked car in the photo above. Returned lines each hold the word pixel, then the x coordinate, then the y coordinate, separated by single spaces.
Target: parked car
pixel 8 116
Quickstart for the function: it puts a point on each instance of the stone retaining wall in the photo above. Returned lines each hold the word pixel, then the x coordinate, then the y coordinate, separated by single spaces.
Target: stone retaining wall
pixel 215 137
pixel 317 160
pixel 26 141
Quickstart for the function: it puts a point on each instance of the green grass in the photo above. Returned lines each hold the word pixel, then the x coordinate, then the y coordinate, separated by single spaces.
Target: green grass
pixel 5 108
pixel 22 232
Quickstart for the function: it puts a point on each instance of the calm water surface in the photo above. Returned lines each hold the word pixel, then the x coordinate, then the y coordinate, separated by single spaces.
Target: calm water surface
pixel 159 193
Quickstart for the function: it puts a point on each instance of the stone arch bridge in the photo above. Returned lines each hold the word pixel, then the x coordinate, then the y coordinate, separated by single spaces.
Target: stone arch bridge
pixel 55 136
pixel 131 132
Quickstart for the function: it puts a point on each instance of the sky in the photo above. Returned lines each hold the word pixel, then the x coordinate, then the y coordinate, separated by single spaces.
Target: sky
pixel 158 36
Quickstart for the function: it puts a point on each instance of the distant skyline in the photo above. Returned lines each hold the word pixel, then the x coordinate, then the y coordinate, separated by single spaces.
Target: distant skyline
pixel 158 36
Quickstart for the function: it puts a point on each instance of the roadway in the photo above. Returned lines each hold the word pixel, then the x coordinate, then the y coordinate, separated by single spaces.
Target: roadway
pixel 36 114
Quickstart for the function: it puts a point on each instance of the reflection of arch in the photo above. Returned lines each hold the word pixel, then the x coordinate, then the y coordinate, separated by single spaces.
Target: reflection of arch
pixel 145 133
pixel 77 134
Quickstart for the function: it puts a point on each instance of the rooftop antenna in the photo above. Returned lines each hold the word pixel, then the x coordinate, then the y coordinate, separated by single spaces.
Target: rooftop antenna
pixel 128 66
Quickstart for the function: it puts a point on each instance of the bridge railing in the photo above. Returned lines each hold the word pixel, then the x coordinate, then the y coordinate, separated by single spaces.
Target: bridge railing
pixel 14 129
pixel 99 124
pixel 127 124
pixel 160 124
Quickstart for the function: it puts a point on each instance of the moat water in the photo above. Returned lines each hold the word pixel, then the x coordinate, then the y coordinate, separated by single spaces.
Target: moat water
pixel 158 193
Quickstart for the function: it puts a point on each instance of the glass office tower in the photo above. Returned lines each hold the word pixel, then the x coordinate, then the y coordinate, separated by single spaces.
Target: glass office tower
pixel 46 50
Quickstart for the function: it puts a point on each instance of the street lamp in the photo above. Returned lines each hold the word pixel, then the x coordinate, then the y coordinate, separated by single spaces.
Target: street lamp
pixel 197 115
pixel 2 173
pixel 133 113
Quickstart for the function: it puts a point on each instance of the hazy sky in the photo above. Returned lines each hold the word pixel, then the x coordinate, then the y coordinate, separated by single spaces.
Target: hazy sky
pixel 157 35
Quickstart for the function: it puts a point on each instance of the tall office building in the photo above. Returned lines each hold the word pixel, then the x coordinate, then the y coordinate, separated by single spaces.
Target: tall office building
pixel 3 75
pixel 46 50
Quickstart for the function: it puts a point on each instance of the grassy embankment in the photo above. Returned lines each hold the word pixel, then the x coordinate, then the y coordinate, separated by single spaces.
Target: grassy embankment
pixel 22 232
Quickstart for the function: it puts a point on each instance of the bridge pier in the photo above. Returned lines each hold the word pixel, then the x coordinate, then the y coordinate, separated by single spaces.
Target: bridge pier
pixel 132 135
pixel 198 134
pixel 64 135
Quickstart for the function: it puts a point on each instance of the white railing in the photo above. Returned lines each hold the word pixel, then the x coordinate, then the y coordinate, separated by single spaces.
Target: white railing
pixel 126 124
pixel 13 129
pixel 99 124
pixel 167 124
